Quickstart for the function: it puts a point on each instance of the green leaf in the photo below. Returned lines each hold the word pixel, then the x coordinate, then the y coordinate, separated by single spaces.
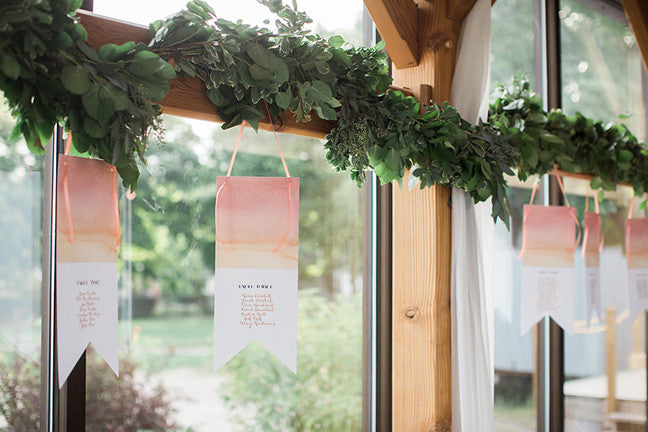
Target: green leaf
pixel 146 63
pixel 107 51
pixel 259 73
pixel 260 55
pixel 63 41
pixel 380 46
pixel 279 70
pixel 9 66
pixel 154 88
pixel 325 112
pixel 550 138
pixel 75 79
pixel 336 41
pixel 596 183
pixel 216 97
pixel 392 160
pixel 320 91
pixel 119 97
pixel 283 99
pixel 167 71
pixel 624 155
pixel 94 129
pixel 98 104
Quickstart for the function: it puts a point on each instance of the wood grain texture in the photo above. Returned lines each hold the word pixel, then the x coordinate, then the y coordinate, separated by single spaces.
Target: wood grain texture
pixel 186 97
pixel 421 374
pixel 610 358
pixel 637 13
pixel 397 22
pixel 458 9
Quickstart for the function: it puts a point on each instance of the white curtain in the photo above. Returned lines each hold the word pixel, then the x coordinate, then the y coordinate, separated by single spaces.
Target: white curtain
pixel 472 370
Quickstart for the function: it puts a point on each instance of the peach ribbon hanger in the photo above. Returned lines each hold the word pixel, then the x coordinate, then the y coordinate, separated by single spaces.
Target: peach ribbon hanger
pixel 66 195
pixel 526 214
pixel 586 229
pixel 229 173
pixel 66 190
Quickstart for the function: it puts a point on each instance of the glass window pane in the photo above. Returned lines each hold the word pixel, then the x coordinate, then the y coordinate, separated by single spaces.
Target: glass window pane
pixel 603 78
pixel 601 67
pixel 515 354
pixel 167 278
pixel 170 257
pixel 586 350
pixel 513 39
pixel 21 194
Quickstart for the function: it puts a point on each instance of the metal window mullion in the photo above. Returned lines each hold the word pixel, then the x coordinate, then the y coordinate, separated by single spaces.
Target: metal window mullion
pixel 550 360
pixel 49 384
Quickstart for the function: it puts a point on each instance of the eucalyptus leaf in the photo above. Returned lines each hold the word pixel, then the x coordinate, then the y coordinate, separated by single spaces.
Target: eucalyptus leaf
pixel 9 66
pixel 75 79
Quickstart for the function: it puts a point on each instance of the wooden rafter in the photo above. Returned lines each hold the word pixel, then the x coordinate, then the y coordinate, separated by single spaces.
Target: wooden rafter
pixel 397 22
pixel 421 345
pixel 458 9
pixel 637 13
pixel 186 97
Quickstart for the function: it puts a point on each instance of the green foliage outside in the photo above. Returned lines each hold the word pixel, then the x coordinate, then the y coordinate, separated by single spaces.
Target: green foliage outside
pixel 113 404
pixel 326 394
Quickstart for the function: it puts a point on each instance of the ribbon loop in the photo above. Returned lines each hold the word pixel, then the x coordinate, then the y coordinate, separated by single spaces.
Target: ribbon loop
pixel 229 173
pixel 528 211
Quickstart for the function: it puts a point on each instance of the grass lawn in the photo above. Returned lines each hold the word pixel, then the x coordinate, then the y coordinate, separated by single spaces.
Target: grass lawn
pixel 173 342
pixel 514 418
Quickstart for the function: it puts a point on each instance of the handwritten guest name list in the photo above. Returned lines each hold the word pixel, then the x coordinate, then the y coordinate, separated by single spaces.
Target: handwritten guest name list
pixel 87 301
pixel 257 309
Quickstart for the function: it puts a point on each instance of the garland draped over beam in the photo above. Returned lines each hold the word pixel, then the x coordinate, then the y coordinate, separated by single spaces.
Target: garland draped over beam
pixel 107 99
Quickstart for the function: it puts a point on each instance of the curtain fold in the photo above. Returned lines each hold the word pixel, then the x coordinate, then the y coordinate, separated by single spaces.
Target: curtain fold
pixel 472 370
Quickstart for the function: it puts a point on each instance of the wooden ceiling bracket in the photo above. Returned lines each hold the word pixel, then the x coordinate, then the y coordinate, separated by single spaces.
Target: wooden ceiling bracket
pixel 397 22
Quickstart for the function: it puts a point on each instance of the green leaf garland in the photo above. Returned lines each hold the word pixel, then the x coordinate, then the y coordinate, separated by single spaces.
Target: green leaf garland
pixel 107 98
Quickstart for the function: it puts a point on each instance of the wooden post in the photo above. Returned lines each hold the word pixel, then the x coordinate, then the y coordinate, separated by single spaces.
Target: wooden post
pixel 421 365
pixel 611 357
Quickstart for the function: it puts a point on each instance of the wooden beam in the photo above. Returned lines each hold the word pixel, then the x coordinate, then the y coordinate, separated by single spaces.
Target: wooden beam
pixel 421 365
pixel 458 9
pixel 610 358
pixel 637 14
pixel 186 97
pixel 397 22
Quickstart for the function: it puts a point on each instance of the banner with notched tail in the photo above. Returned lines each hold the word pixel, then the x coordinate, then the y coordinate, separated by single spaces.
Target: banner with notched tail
pixel 86 261
pixel 257 229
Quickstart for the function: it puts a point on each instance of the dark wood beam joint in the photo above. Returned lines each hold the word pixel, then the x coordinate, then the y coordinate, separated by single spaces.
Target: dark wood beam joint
pixel 458 9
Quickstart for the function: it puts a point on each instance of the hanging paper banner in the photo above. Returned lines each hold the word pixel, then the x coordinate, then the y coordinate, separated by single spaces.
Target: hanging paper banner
pixel 592 246
pixel 86 262
pixel 548 265
pixel 257 229
pixel 637 261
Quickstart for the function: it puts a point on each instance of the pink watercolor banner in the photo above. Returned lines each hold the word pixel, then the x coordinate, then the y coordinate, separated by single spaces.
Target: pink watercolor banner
pixel 87 242
pixel 257 246
pixel 637 262
pixel 548 246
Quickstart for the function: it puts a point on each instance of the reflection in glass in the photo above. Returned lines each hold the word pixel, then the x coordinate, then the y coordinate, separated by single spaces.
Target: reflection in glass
pixel 20 281
pixel 602 78
pixel 169 261
pixel 512 51
pixel 514 353
pixel 587 350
